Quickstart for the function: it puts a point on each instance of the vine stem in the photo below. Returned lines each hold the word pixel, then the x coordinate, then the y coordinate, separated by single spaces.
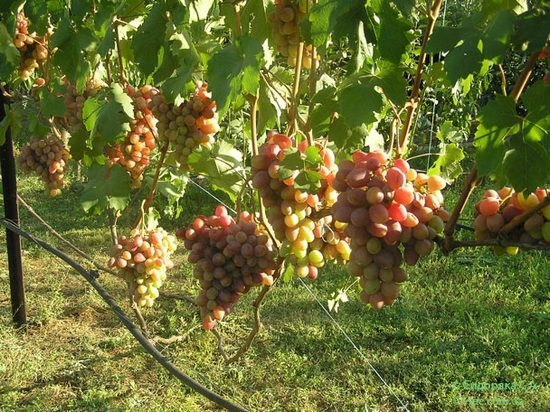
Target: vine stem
pixel 151 195
pixel 469 185
pixel 524 76
pixel 413 101
pixel 119 55
pixel 520 219
pixel 293 110
pixel 253 100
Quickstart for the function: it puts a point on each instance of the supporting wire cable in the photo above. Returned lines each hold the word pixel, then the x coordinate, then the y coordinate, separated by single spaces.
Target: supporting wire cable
pixel 91 276
pixel 365 359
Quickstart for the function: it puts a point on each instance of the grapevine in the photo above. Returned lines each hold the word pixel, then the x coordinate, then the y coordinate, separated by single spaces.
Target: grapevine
pixel 134 153
pixel 392 215
pixel 285 20
pixel 143 260
pixel 188 125
pixel 33 49
pixel 308 241
pixel 496 211
pixel 47 157
pixel 229 257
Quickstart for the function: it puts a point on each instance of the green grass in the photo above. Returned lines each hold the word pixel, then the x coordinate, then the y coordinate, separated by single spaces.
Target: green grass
pixel 462 321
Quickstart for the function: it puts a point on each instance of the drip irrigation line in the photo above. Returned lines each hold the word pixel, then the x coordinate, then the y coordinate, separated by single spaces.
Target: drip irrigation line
pixel 378 374
pixel 91 276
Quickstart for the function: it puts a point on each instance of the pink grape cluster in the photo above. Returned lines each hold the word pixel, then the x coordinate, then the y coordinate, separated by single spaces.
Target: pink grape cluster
pixel 307 240
pixel 497 208
pixel 188 125
pixel 393 214
pixel 229 257
pixel 48 158
pixel 134 153
pixel 143 260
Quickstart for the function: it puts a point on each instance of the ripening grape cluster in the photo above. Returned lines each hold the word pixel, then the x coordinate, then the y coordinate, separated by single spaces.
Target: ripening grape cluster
pixel 229 258
pixel 497 208
pixel 188 125
pixel 47 157
pixel 393 215
pixel 284 20
pixel 142 260
pixel 32 48
pixel 134 153
pixel 308 241
pixel 74 103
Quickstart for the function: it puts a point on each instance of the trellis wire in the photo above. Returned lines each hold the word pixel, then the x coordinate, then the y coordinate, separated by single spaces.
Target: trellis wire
pixel 355 347
pixel 91 276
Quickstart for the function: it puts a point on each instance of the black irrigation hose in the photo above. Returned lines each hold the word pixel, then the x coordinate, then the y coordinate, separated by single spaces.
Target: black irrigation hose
pixel 91 276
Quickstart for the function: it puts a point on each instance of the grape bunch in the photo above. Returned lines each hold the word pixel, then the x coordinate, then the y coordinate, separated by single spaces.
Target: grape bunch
pixel 229 258
pixel 74 103
pixel 48 158
pixel 33 49
pixel 142 260
pixel 307 240
pixel 285 20
pixel 497 208
pixel 393 214
pixel 134 153
pixel 188 125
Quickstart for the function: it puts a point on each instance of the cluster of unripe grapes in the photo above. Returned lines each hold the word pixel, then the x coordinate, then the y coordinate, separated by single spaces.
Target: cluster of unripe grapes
pixel 142 260
pixel 497 208
pixel 307 240
pixel 134 153
pixel 188 125
pixel 284 20
pixel 74 103
pixel 229 258
pixel 47 157
pixel 393 214
pixel 32 48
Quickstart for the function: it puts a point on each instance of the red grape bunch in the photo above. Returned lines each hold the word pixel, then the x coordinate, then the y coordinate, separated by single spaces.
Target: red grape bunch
pixel 142 260
pixel 48 158
pixel 32 48
pixel 134 153
pixel 285 20
pixel 229 258
pixel 188 125
pixel 392 213
pixel 308 241
pixel 497 208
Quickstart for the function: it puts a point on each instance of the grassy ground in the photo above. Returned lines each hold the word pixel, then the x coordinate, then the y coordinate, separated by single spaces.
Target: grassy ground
pixel 470 332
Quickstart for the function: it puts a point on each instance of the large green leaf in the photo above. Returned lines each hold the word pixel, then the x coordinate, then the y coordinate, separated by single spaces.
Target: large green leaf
pixel 447 164
pixel 222 165
pixel 392 29
pixel 235 69
pixel 498 121
pixel 9 55
pixel 148 39
pixel 360 103
pixel 525 164
pixel 106 188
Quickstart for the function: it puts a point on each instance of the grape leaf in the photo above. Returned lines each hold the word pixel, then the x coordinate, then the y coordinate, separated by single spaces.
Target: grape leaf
pixel 360 103
pixel 149 37
pixel 308 181
pixel 392 39
pixel 291 163
pixel 447 164
pixel 106 188
pixel 498 121
pixel 526 164
pixel 9 55
pixel 233 69
pixel 269 108
pixel 51 104
pixel 223 166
